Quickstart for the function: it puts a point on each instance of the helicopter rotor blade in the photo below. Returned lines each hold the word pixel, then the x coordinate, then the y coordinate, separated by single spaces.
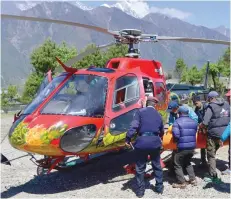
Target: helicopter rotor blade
pixel 199 40
pixel 80 56
pixel 99 29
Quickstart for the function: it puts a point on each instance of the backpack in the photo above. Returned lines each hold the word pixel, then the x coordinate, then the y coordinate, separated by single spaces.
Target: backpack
pixel 192 114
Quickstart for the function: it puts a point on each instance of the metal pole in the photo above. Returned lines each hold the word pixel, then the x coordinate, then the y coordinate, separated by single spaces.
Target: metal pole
pixel 130 48
pixel 206 76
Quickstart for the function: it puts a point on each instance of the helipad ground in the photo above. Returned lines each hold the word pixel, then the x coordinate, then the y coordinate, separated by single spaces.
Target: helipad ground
pixel 104 178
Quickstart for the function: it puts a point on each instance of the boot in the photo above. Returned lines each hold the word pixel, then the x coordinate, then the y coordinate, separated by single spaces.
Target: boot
pixel 179 185
pixel 192 182
pixel 140 194
pixel 159 190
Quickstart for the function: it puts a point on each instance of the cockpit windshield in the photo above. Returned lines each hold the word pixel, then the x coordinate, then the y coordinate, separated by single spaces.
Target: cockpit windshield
pixel 82 95
pixel 43 94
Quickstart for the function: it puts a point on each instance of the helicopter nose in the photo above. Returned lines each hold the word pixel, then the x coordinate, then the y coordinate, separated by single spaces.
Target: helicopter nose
pixel 37 139
pixel 15 125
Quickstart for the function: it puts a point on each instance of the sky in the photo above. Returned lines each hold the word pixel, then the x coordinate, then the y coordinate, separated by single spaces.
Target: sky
pixel 206 13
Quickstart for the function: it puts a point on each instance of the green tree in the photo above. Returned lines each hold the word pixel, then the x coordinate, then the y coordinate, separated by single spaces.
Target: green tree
pixel 214 70
pixel 65 53
pixel 184 75
pixel 8 97
pixel 5 105
pixel 180 66
pixel 224 63
pixel 12 93
pixel 31 87
pixel 99 58
pixel 43 59
pixel 191 75
pixel 194 76
pixel 116 51
pixel 96 58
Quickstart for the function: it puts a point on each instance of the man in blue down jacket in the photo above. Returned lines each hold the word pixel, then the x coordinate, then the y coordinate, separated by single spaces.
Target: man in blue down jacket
pixel 184 133
pixel 148 124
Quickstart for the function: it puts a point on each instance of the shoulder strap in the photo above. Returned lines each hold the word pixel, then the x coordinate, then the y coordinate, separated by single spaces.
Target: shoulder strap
pixel 209 106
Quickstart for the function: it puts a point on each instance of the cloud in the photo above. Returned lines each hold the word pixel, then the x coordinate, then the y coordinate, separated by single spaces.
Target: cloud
pixel 171 12
pixel 141 8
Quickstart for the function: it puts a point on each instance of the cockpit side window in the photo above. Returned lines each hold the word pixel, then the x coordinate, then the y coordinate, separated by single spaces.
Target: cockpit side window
pixel 44 93
pixel 148 87
pixel 126 92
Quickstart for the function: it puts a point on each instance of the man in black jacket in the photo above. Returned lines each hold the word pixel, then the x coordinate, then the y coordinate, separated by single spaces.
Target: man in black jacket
pixel 216 119
pixel 200 111
pixel 148 124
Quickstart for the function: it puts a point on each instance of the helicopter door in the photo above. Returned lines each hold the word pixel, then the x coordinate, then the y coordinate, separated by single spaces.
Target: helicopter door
pixel 123 101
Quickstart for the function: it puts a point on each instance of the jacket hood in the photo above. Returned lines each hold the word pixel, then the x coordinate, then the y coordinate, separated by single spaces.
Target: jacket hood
pixel 219 101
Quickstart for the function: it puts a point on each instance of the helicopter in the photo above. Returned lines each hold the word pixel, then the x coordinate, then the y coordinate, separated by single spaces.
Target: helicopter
pixel 85 112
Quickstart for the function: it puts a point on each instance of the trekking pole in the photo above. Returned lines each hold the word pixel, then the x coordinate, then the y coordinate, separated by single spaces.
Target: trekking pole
pixel 132 146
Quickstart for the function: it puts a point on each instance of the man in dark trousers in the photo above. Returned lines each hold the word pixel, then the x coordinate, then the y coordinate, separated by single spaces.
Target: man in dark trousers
pixel 184 133
pixel 200 111
pixel 216 119
pixel 148 125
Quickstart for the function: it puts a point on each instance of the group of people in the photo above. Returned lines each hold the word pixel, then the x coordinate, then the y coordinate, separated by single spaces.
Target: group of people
pixel 211 118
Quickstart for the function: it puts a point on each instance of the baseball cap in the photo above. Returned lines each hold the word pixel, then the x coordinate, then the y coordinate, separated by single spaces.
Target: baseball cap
pixel 183 109
pixel 152 99
pixel 196 98
pixel 172 104
pixel 174 97
pixel 212 94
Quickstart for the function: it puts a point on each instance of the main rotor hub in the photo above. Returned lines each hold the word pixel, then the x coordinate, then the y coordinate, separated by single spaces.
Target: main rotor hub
pixel 128 36
pixel 131 32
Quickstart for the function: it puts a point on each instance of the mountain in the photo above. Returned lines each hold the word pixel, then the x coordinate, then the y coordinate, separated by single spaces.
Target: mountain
pixel 21 37
pixel 223 30
pixel 14 7
pixel 126 7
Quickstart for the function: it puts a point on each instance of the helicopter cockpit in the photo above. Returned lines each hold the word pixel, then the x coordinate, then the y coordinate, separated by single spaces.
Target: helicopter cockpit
pixel 42 94
pixel 81 95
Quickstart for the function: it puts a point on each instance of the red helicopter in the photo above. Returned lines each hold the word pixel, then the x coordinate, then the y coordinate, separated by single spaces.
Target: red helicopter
pixel 86 112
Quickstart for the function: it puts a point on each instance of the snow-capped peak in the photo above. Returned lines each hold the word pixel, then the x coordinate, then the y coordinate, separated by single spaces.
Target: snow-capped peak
pixel 81 5
pixel 137 9
pixel 25 5
pixel 106 5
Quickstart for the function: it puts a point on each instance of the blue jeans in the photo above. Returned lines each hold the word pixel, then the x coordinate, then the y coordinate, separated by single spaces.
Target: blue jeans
pixel 141 160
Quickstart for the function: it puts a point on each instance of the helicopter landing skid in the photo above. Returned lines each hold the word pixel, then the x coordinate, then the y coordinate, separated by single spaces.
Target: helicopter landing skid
pixel 45 165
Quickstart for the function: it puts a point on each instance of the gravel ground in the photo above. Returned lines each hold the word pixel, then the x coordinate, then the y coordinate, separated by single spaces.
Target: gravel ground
pixel 103 178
